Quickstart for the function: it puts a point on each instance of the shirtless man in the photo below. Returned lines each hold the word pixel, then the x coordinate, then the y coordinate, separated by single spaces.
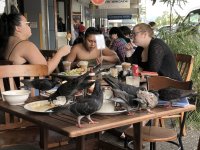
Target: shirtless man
pixel 88 50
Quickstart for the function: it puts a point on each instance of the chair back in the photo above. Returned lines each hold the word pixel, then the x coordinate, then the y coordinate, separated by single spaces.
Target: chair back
pixel 8 76
pixel 48 54
pixel 160 82
pixel 185 65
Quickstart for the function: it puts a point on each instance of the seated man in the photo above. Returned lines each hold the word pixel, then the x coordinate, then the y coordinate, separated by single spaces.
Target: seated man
pixel 88 50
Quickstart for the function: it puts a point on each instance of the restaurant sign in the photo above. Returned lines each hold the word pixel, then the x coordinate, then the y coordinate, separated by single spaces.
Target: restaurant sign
pixel 119 17
pixel 114 4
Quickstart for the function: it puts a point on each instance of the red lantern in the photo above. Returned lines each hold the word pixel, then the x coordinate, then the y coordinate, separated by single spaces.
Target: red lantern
pixel 98 2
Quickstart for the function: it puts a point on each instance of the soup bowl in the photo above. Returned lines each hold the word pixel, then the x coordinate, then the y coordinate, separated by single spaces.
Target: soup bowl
pixel 15 97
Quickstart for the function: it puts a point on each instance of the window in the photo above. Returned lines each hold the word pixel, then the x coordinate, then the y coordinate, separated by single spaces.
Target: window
pixel 2 6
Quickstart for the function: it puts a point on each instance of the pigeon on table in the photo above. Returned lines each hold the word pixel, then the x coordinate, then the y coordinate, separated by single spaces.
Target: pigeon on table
pixel 115 84
pixel 41 84
pixel 142 100
pixel 174 94
pixel 69 88
pixel 88 105
pixel 133 98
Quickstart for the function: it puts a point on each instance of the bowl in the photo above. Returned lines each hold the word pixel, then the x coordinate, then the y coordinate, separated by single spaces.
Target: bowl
pixel 15 97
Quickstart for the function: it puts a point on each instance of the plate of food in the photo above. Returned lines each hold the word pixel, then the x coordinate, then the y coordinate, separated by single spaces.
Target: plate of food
pixel 74 73
pixel 44 106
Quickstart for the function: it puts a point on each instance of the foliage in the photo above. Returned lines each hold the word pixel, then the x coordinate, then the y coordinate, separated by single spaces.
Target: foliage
pixel 164 19
pixel 173 2
pixel 186 42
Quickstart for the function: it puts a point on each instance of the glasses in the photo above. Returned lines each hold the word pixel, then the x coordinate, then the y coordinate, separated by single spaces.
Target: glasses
pixel 28 23
pixel 135 33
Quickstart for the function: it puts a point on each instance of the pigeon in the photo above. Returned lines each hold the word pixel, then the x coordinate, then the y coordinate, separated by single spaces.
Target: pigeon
pixel 115 84
pixel 69 88
pixel 142 100
pixel 41 84
pixel 88 105
pixel 174 94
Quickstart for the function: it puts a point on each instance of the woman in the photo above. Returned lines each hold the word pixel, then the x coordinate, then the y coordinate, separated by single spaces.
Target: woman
pixel 118 42
pixel 15 46
pixel 153 54
pixel 87 50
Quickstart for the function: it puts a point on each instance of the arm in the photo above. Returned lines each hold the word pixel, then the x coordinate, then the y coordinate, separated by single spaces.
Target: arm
pixel 110 55
pixel 73 54
pixel 32 54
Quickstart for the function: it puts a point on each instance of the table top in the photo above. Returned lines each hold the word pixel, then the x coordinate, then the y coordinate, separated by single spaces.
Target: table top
pixel 65 122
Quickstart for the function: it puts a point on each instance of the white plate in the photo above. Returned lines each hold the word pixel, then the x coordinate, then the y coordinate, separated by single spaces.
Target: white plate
pixel 110 113
pixel 39 106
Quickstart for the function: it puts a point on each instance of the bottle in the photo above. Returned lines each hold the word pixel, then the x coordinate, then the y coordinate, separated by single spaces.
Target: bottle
pixel 92 74
pixel 92 79
pixel 136 78
pixel 135 70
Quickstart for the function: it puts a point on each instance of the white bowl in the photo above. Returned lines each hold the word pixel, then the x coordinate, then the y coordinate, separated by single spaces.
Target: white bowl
pixel 15 97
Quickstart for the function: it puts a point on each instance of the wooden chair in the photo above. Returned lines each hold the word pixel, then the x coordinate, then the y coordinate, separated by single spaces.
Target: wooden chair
pixel 155 134
pixel 7 82
pixel 185 65
pixel 198 148
pixel 10 125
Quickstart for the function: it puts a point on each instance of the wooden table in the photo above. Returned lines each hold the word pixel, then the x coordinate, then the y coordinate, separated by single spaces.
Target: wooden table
pixel 64 123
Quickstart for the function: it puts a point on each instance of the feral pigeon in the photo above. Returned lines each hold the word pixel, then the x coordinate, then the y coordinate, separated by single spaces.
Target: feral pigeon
pixel 69 88
pixel 88 105
pixel 173 94
pixel 41 84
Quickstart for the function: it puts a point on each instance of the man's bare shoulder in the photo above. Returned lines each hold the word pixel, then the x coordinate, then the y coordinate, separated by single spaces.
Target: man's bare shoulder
pixel 78 48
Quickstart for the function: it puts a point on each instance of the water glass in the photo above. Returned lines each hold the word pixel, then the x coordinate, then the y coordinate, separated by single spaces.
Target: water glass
pixel 133 80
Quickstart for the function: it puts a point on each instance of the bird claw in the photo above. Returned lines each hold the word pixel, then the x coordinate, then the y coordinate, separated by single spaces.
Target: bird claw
pixel 131 113
pixel 79 125
pixel 93 122
pixel 150 111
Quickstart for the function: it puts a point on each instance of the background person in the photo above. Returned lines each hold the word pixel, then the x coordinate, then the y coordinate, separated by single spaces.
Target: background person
pixel 118 42
pixel 153 54
pixel 15 46
pixel 81 28
pixel 130 46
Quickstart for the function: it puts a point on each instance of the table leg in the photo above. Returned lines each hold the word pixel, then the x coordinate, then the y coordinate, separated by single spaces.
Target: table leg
pixel 137 127
pixel 80 143
pixel 44 138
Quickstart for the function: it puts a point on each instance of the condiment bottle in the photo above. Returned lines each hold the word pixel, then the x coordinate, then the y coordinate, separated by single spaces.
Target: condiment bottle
pixel 92 79
pixel 135 70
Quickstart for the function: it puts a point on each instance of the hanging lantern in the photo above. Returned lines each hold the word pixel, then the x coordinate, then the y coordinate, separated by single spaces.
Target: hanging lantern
pixel 98 2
